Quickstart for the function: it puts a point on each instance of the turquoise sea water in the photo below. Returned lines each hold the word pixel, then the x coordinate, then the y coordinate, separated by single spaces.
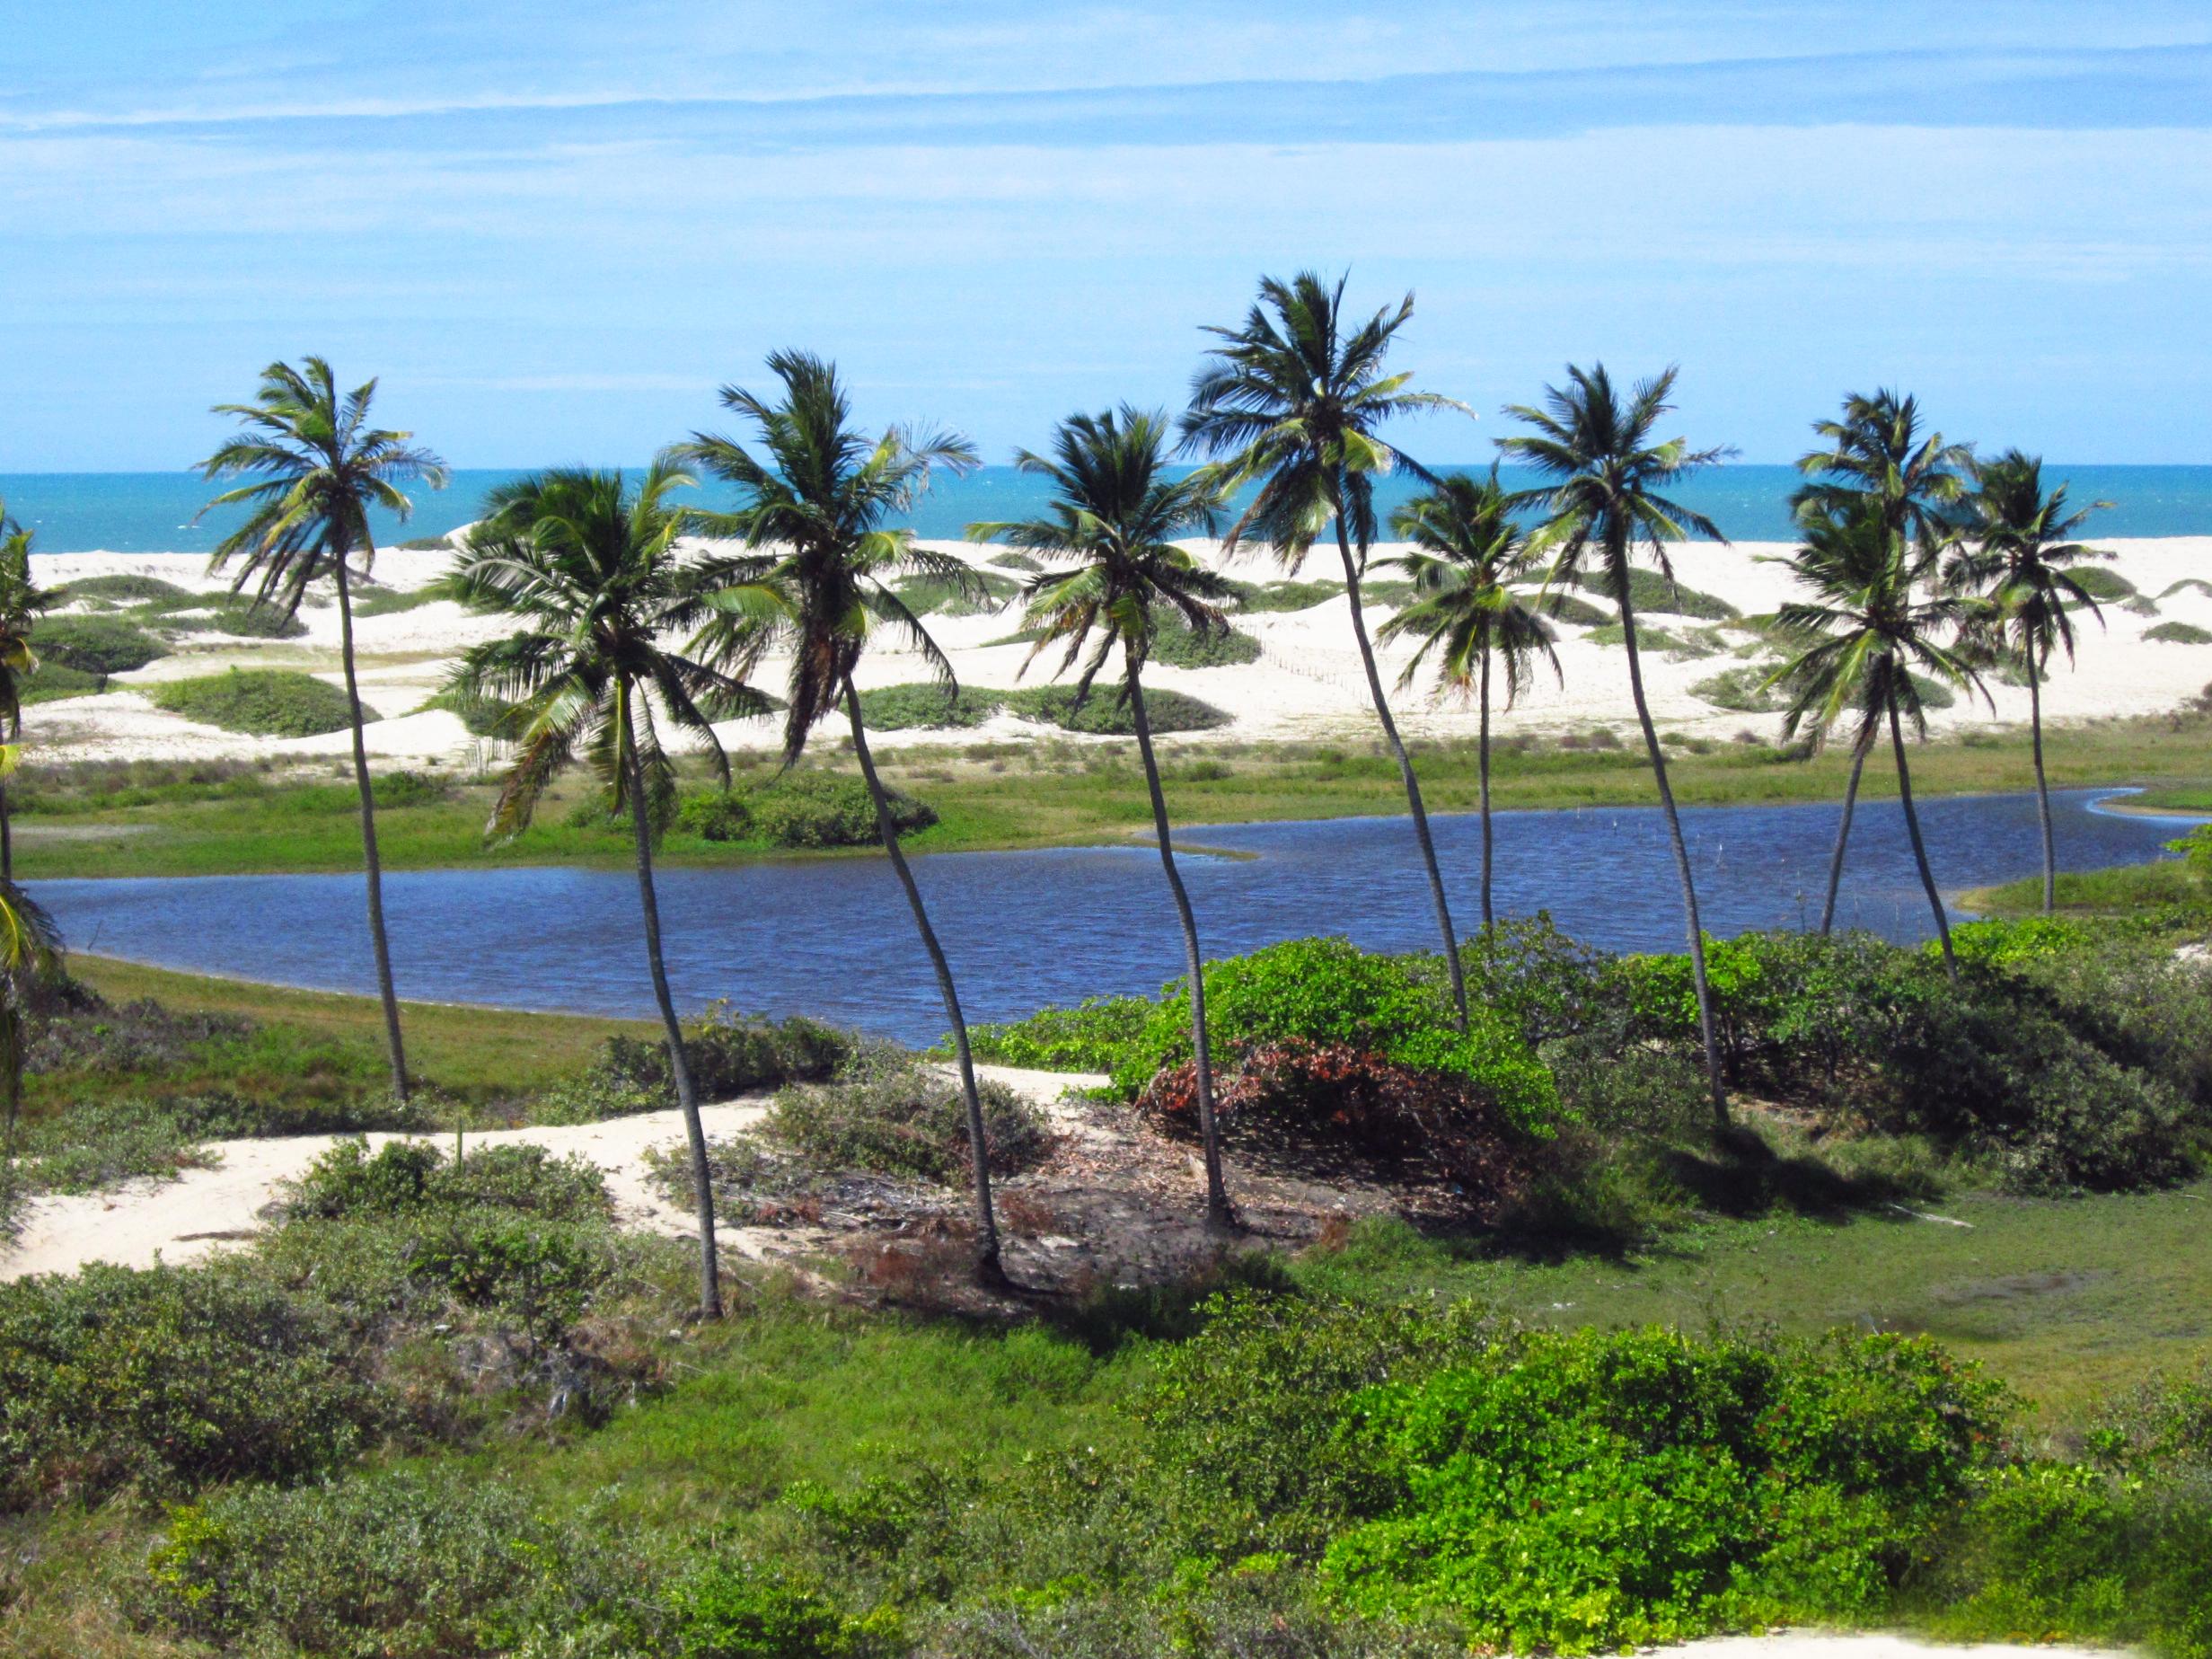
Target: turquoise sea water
pixel 153 512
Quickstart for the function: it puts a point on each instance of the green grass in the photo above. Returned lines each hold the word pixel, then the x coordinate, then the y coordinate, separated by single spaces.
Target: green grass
pixel 53 682
pixel 270 703
pixel 2130 889
pixel 392 601
pixel 2177 634
pixel 124 588
pixel 97 644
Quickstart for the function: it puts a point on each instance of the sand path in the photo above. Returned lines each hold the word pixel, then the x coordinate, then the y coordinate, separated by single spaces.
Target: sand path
pixel 1871 1644
pixel 202 1211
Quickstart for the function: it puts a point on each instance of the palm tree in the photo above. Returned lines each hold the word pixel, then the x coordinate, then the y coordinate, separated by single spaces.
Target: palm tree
pixel 29 952
pixel 1463 610
pixel 1293 398
pixel 1604 503
pixel 1869 624
pixel 1876 452
pixel 1113 512
pixel 21 602
pixel 321 467
pixel 590 564
pixel 2020 546
pixel 817 581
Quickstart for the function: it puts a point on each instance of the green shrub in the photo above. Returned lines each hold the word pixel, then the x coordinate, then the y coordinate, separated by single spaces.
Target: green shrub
pixel 828 809
pixel 126 587
pixel 729 1053
pixel 982 590
pixel 1088 1037
pixel 97 644
pixel 163 1378
pixel 484 717
pixel 921 704
pixel 406 1175
pixel 1178 646
pixel 1649 591
pixel 733 1610
pixel 2103 583
pixel 52 682
pixel 715 814
pixel 269 702
pixel 1563 606
pixel 896 1115
pixel 100 1142
pixel 231 613
pixel 1265 596
pixel 1104 715
pixel 2177 634
pixel 1603 1489
pixel 380 601
pixel 1744 690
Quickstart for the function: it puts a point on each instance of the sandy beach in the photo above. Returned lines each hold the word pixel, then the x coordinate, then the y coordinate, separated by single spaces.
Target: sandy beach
pixel 1305 685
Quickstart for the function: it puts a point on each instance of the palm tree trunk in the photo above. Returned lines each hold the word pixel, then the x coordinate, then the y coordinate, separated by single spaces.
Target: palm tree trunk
pixel 1859 751
pixel 7 830
pixel 989 1270
pixel 1481 761
pixel 1218 1210
pixel 2042 787
pixel 1405 771
pixel 372 868
pixel 1681 862
pixel 679 1062
pixel 1919 848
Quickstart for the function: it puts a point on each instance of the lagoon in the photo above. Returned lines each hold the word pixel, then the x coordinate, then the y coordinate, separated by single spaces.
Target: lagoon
pixel 831 937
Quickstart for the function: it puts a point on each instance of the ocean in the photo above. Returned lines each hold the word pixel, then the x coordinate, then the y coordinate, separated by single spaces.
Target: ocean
pixel 154 512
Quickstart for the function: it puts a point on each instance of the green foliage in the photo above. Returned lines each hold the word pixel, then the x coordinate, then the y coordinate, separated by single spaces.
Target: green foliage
pixel 896 1115
pixel 1178 646
pixel 1088 1037
pixel 382 601
pixel 105 1142
pixel 734 1609
pixel 1744 690
pixel 1649 591
pixel 2177 634
pixel 97 644
pixel 730 1054
pixel 1563 606
pixel 125 588
pixel 408 1176
pixel 238 615
pixel 828 809
pixel 927 594
pixel 1104 714
pixel 1598 1490
pixel 2196 851
pixel 715 814
pixel 919 704
pixel 53 681
pixel 269 702
pixel 1257 597
pixel 161 1379
pixel 483 716
pixel 2103 583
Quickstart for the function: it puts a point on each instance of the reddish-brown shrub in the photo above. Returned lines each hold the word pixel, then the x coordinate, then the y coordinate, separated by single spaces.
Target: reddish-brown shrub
pixel 1332 1095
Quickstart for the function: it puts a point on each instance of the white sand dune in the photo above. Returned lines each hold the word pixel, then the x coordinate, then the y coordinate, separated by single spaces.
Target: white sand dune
pixel 1307 684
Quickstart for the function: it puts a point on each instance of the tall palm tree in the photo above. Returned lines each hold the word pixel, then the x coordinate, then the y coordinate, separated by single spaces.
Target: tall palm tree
pixel 589 563
pixel 2020 542
pixel 1877 453
pixel 1294 398
pixel 1113 512
pixel 22 603
pixel 320 468
pixel 29 952
pixel 1463 612
pixel 1869 622
pixel 1604 503
pixel 817 582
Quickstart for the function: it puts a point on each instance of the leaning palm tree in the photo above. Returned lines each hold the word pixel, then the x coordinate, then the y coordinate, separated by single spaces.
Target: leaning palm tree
pixel 1869 622
pixel 589 563
pixel 816 581
pixel 22 603
pixel 2019 545
pixel 320 468
pixel 1877 454
pixel 29 953
pixel 1463 610
pixel 1293 398
pixel 1604 503
pixel 1113 512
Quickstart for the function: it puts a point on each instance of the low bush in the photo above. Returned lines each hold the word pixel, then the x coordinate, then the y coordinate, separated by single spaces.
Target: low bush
pixel 2177 634
pixel 2103 583
pixel 161 1379
pixel 99 1144
pixel 404 1176
pixel 1649 591
pixel 895 1115
pixel 828 809
pixel 1179 646
pixel 715 814
pixel 102 645
pixel 1267 596
pixel 1103 714
pixel 125 588
pixel 1743 690
pixel 54 681
pixel 238 615
pixel 1604 1489
pixel 980 591
pixel 482 716
pixel 269 702
pixel 1566 607
pixel 922 703
pixel 729 1053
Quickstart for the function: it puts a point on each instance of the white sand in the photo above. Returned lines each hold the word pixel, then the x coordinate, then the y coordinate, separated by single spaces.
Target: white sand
pixel 1864 1645
pixel 1307 684
pixel 204 1210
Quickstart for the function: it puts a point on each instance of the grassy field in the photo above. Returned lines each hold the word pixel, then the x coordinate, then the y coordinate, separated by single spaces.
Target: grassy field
pixel 1045 793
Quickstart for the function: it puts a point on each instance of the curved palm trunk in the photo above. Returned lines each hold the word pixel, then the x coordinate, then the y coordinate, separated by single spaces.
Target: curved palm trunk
pixel 1919 848
pixel 988 1267
pixel 679 1062
pixel 2042 787
pixel 1859 751
pixel 1482 763
pixel 1405 771
pixel 372 868
pixel 1218 1210
pixel 7 830
pixel 1681 862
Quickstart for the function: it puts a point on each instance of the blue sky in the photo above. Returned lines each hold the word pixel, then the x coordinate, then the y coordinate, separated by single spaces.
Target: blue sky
pixel 553 228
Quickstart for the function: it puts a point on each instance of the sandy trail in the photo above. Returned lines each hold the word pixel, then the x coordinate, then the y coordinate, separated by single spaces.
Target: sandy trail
pixel 202 1211
pixel 1871 1644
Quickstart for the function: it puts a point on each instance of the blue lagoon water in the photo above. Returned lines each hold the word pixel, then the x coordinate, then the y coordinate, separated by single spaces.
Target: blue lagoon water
pixel 833 938
pixel 153 512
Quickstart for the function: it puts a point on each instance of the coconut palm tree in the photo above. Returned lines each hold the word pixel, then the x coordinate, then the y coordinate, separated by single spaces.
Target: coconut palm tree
pixel 1463 612
pixel 816 582
pixel 1294 398
pixel 1877 453
pixel 1869 624
pixel 29 952
pixel 22 603
pixel 1604 503
pixel 588 563
pixel 320 467
pixel 2019 545
pixel 1113 512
